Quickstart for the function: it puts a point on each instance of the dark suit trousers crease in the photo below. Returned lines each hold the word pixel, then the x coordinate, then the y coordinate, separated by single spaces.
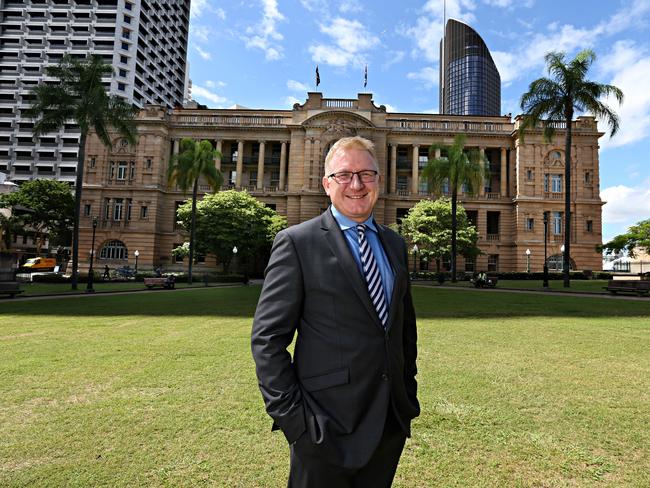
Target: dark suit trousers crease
pixel 308 471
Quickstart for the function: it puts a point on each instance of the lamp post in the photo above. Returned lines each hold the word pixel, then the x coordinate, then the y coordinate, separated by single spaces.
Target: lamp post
pixel 89 282
pixel 528 261
pixel 415 260
pixel 562 252
pixel 545 284
pixel 136 254
pixel 234 253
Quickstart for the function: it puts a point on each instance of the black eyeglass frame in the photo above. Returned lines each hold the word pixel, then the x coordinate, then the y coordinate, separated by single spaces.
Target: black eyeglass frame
pixel 374 172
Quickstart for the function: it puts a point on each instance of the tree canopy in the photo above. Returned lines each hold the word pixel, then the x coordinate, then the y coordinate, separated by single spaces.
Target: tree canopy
pixel 428 224
pixel 636 238
pixel 48 209
pixel 232 218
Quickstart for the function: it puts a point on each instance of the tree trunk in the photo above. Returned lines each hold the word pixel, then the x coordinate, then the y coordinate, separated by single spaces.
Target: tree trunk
pixel 77 210
pixel 454 225
pixel 566 258
pixel 192 230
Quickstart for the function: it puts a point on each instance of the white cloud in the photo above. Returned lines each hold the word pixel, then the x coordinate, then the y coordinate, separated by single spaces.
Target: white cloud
pixel 351 41
pixel 625 205
pixel 507 66
pixel 200 33
pixel 265 35
pixel 204 93
pixel 427 31
pixel 221 13
pixel 314 5
pixel 390 108
pixel 350 6
pixel 629 66
pixel 204 54
pixel 394 57
pixel 427 76
pixel 197 7
pixel 509 3
pixel 289 101
pixel 214 84
pixel 297 86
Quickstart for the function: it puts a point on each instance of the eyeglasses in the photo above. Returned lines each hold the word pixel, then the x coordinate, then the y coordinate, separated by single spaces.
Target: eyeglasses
pixel 345 177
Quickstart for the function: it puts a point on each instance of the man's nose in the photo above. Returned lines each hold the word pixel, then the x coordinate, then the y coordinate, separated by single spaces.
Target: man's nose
pixel 356 181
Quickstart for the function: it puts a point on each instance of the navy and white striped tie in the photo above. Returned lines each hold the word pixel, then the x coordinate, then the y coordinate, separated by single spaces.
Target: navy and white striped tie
pixel 373 277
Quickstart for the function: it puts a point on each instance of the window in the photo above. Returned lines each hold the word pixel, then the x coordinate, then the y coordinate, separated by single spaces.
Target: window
pixel 129 207
pixel 232 177
pixel 113 250
pixel 556 183
pixel 122 72
pixel 124 60
pixel 87 208
pixel 131 170
pixel 127 19
pixel 589 226
pixel 107 208
pixel 402 182
pixel 493 263
pixel 118 208
pixel 128 5
pixel 121 170
pixel 144 212
pixel 177 258
pixel 126 34
pixel 253 178
pixel 470 264
pixel 148 163
pixel 125 46
pixel 93 162
pixel 530 224
pixel 121 86
pixel 587 177
pixel 557 223
pixel 530 175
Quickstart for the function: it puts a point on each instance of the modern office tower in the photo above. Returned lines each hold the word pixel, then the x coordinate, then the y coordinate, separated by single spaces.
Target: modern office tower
pixel 144 40
pixel 278 157
pixel 469 80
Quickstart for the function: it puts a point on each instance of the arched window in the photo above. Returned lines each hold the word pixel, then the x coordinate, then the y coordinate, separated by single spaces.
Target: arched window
pixel 114 250
pixel 554 263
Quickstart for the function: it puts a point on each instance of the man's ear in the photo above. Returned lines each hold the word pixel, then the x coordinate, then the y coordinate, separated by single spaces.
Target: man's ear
pixel 326 184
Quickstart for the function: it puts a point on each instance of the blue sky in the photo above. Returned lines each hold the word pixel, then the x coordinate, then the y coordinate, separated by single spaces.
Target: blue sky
pixel 263 54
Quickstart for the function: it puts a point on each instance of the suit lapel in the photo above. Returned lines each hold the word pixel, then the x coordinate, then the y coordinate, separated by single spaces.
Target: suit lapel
pixel 338 245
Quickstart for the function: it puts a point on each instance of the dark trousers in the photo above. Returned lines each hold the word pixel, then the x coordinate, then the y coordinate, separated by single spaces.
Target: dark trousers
pixel 311 472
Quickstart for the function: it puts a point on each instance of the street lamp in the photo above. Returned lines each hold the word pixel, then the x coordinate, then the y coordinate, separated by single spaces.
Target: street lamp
pixel 89 281
pixel 136 254
pixel 415 259
pixel 545 284
pixel 562 252
pixel 528 260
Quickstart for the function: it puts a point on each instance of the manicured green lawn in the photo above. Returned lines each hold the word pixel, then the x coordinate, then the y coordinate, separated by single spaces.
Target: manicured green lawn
pixel 159 390
pixel 31 289
pixel 592 286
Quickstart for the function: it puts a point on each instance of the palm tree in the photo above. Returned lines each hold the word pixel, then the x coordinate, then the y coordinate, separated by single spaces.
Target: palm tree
pixel 556 99
pixel 79 96
pixel 460 168
pixel 195 160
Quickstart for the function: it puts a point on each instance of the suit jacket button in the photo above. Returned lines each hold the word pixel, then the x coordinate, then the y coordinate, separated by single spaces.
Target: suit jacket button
pixel 384 377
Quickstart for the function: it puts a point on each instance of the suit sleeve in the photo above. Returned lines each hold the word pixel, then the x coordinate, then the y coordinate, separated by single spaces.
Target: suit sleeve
pixel 276 320
pixel 410 344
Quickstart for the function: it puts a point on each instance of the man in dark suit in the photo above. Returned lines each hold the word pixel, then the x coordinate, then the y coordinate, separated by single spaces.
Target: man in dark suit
pixel 340 281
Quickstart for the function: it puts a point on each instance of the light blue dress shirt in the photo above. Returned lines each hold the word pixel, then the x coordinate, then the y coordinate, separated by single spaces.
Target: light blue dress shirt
pixel 349 228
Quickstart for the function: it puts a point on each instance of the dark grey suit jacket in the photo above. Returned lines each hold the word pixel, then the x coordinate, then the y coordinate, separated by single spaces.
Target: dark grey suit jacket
pixel 346 371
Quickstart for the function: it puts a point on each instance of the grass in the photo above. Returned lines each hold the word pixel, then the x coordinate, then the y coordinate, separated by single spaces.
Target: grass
pixel 577 286
pixel 32 289
pixel 159 390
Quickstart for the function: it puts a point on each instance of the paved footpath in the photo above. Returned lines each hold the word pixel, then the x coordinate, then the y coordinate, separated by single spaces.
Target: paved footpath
pixel 569 294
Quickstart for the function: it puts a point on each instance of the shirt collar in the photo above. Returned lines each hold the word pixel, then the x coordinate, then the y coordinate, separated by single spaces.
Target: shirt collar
pixel 346 223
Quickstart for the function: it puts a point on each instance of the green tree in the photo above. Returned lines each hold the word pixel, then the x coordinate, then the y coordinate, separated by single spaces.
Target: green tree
pixel 428 224
pixel 194 161
pixel 462 169
pixel 49 208
pixel 232 218
pixel 636 238
pixel 555 100
pixel 79 95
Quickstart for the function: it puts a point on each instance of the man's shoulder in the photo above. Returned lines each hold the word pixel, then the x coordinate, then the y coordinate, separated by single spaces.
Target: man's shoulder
pixel 390 234
pixel 306 228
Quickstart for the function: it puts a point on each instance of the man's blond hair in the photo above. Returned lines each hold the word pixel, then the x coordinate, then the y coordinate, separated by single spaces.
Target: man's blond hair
pixel 356 142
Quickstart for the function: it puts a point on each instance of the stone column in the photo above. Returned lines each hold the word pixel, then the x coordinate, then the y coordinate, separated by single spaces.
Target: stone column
pixel 415 170
pixel 504 173
pixel 217 160
pixel 283 166
pixel 176 146
pixel 393 168
pixel 260 167
pixel 306 182
pixel 481 189
pixel 240 163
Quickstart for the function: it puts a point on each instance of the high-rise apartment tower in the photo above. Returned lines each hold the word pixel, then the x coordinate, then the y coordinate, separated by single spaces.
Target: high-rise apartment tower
pixel 469 80
pixel 144 40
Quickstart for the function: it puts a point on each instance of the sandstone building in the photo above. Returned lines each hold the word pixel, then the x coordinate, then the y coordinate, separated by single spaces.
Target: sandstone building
pixel 278 155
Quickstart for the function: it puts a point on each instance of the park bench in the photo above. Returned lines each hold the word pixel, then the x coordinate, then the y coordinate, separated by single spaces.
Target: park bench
pixel 11 288
pixel 165 281
pixel 490 282
pixel 640 287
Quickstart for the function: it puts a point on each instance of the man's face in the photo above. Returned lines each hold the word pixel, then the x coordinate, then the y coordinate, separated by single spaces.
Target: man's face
pixel 355 199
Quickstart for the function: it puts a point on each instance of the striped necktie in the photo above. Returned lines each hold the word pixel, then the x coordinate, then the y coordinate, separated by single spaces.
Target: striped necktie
pixel 373 277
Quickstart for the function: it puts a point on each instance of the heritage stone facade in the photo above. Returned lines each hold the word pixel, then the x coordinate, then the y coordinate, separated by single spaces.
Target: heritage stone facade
pixel 278 156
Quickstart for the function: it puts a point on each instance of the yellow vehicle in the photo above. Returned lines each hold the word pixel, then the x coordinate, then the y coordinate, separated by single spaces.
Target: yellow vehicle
pixel 39 264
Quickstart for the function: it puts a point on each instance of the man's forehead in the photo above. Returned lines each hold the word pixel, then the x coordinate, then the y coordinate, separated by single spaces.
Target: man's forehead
pixel 347 155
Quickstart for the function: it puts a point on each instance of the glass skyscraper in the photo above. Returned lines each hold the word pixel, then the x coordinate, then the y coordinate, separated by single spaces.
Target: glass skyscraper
pixel 469 80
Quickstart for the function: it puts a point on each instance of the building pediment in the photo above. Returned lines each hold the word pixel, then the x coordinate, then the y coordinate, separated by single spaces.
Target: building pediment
pixel 338 122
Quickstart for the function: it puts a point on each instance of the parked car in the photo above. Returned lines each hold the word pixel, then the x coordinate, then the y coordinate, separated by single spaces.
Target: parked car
pixel 39 264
